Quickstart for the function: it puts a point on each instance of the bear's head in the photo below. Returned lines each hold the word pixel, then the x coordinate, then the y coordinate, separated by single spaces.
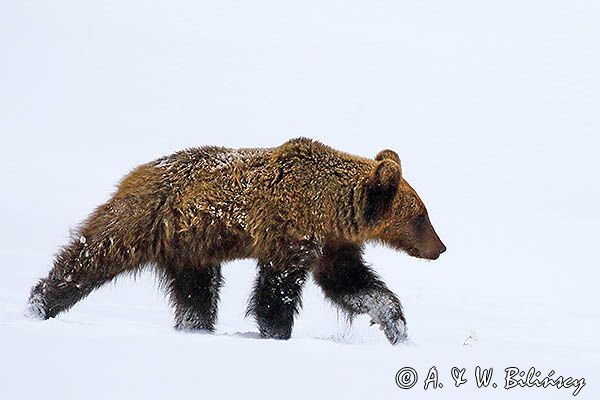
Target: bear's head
pixel 396 213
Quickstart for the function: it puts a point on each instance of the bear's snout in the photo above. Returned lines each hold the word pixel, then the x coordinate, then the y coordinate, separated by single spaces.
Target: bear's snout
pixel 442 248
pixel 434 254
pixel 432 247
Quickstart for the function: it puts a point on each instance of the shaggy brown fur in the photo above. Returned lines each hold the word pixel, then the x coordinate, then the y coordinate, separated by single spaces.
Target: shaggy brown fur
pixel 292 207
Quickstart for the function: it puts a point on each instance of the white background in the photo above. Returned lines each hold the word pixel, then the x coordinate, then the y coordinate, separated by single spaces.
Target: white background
pixel 493 107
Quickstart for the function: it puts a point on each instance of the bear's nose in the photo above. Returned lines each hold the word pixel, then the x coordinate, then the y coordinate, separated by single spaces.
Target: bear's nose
pixel 442 248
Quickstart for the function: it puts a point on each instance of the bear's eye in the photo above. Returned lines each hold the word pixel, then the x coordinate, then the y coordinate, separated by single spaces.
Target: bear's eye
pixel 420 219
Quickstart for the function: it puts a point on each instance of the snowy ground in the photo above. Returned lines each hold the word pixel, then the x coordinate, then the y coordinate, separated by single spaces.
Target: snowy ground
pixel 493 107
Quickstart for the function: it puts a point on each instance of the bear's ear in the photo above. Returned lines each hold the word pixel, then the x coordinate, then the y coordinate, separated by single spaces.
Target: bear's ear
pixel 388 154
pixel 380 189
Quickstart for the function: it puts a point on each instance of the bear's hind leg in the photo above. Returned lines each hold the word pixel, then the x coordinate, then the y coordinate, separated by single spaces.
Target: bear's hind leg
pixel 276 299
pixel 194 293
pixel 351 285
pixel 52 296
pixel 117 238
pixel 75 274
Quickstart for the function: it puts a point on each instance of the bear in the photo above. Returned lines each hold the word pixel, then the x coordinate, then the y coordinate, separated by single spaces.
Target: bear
pixel 297 209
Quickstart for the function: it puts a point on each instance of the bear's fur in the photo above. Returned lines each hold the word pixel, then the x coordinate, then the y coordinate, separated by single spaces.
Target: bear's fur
pixel 298 208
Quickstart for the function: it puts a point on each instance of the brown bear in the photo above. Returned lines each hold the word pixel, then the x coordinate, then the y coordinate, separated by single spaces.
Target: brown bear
pixel 298 208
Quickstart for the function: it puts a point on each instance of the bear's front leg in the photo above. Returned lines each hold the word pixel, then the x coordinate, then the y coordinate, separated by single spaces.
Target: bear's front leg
pixel 194 293
pixel 276 299
pixel 350 284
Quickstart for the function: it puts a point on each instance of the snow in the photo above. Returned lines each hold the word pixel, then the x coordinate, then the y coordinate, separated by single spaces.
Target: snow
pixel 492 106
